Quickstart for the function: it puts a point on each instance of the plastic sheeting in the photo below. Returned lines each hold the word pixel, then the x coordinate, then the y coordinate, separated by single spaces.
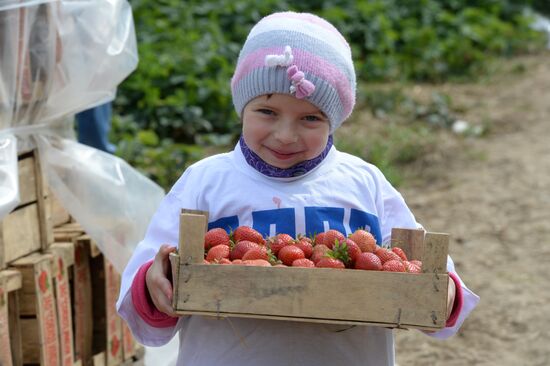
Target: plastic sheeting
pixel 58 58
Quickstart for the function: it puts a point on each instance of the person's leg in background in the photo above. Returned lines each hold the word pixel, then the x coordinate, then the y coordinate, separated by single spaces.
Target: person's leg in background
pixel 93 127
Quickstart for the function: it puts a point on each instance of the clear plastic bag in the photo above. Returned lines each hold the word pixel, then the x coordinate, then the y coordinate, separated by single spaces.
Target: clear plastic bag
pixel 58 58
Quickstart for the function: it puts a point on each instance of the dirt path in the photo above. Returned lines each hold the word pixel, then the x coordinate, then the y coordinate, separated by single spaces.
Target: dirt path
pixel 494 199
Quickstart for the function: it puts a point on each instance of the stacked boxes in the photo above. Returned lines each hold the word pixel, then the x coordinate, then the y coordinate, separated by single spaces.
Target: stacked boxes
pixel 57 290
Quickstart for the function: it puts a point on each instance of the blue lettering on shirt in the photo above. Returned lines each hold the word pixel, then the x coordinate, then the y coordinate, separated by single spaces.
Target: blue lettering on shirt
pixel 317 220
pixel 366 221
pixel 318 217
pixel 283 218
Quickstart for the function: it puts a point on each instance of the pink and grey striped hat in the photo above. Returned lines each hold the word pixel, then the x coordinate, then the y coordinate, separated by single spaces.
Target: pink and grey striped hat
pixel 299 54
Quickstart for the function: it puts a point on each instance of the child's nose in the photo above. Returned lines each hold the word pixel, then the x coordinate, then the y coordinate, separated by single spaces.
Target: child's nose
pixel 286 133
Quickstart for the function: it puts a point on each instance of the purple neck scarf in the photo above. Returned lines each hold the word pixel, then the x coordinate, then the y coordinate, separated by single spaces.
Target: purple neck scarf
pixel 272 171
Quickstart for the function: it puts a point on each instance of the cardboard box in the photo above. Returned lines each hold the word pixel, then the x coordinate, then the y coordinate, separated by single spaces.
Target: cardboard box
pixel 348 296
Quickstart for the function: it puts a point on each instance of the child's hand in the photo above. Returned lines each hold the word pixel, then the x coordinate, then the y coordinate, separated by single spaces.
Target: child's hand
pixel 451 293
pixel 158 284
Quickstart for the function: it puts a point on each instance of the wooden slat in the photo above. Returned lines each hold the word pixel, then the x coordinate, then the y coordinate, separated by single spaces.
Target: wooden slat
pixel 392 299
pixel 27 180
pixel 191 239
pixel 82 289
pixel 59 216
pixel 6 358
pixel 114 352
pixel 62 264
pixel 36 270
pixel 19 234
pixel 436 247
pixel 411 241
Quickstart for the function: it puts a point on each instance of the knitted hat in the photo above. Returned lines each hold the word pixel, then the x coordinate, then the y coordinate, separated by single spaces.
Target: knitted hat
pixel 299 54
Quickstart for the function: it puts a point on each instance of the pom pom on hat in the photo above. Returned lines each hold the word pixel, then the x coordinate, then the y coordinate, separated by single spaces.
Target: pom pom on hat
pixel 299 54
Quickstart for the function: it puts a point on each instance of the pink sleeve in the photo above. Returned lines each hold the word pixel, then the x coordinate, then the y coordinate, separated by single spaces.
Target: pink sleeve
pixel 144 304
pixel 459 301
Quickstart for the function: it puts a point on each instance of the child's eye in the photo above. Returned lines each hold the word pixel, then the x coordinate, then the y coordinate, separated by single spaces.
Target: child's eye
pixel 312 118
pixel 267 112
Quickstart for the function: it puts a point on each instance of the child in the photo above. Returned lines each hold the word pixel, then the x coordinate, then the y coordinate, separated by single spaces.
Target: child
pixel 293 86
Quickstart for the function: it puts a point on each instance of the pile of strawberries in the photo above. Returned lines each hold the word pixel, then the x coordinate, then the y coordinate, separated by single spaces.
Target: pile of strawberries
pixel 330 249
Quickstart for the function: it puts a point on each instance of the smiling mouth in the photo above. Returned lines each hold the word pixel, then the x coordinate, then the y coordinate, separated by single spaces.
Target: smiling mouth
pixel 283 155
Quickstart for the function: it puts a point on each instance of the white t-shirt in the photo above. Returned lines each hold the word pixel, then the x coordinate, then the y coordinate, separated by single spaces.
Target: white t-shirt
pixel 343 193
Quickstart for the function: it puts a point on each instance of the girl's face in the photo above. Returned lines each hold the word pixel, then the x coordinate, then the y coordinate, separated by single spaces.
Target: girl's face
pixel 284 130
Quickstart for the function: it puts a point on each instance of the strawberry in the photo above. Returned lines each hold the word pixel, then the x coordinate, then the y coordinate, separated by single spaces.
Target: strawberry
pixel 333 236
pixel 368 261
pixel 215 237
pixel 400 253
pixel 411 267
pixel 257 262
pixel 289 253
pixel 319 239
pixel 386 255
pixel 364 240
pixel 353 250
pixel 218 252
pixel 237 261
pixel 224 261
pixel 249 234
pixel 303 262
pixel 417 262
pixel 242 247
pixel 305 244
pixel 393 265
pixel 279 241
pixel 256 253
pixel 327 262
pixel 319 251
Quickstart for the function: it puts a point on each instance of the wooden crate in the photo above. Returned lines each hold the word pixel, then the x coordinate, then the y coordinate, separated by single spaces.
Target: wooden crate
pixel 387 299
pixel 27 228
pixel 10 330
pixel 37 306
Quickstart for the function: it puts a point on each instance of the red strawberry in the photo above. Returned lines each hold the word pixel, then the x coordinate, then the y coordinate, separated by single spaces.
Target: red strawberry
pixel 386 255
pixel 411 267
pixel 400 253
pixel 319 239
pixel 327 262
pixel 393 265
pixel 368 261
pixel 224 261
pixel 218 252
pixel 333 236
pixel 249 234
pixel 319 251
pixel 237 261
pixel 353 250
pixel 303 262
pixel 289 253
pixel 417 262
pixel 304 243
pixel 364 240
pixel 279 241
pixel 257 262
pixel 215 237
pixel 256 253
pixel 242 247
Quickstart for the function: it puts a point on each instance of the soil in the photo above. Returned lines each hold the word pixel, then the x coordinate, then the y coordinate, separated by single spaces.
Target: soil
pixel 492 195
